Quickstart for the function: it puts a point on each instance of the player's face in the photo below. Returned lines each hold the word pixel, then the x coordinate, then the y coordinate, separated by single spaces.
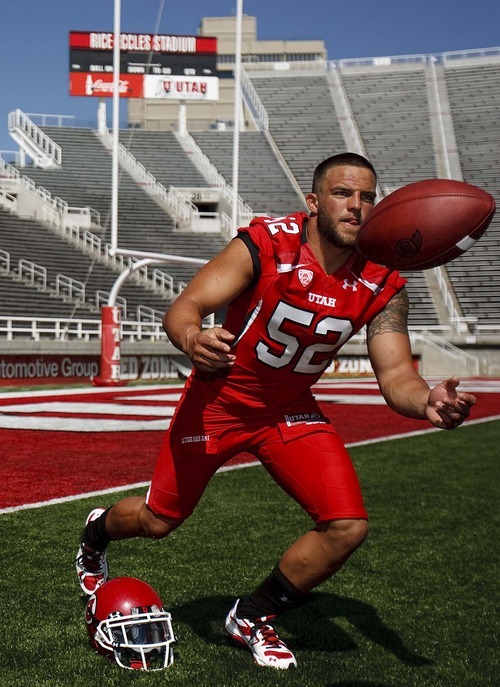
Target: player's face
pixel 344 199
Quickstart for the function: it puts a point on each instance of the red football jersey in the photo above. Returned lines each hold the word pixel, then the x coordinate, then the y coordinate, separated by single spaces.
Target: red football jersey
pixel 293 320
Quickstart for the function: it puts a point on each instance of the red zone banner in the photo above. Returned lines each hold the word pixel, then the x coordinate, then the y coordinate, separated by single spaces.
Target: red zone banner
pixel 59 443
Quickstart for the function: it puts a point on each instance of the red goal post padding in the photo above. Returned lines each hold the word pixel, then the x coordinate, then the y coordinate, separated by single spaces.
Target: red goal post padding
pixel 109 368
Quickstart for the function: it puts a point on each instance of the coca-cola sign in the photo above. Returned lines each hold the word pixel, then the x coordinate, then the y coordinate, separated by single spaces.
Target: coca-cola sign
pixel 100 85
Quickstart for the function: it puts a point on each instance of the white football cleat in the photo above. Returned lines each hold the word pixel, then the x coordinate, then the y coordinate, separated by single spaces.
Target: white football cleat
pixel 261 638
pixel 91 566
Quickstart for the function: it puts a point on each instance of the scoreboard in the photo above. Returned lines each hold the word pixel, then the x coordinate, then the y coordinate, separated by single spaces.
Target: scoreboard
pixel 151 66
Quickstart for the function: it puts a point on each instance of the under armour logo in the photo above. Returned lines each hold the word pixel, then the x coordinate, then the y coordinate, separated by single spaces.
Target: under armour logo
pixel 352 286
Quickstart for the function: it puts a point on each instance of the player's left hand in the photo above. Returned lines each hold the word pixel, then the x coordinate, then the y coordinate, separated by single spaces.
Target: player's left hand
pixel 446 407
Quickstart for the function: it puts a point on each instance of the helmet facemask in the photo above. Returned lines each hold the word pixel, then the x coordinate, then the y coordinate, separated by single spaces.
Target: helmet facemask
pixel 127 623
pixel 141 641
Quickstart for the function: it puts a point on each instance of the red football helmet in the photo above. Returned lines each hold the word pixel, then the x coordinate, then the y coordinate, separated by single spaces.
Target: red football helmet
pixel 127 623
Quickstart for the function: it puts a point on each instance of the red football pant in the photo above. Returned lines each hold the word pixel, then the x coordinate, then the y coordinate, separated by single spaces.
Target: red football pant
pixel 307 460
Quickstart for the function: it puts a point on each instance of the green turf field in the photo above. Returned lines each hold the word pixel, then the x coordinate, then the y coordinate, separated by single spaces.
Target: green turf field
pixel 416 606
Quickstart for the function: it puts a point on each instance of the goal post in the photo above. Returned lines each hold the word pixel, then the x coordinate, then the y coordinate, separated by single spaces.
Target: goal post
pixel 111 331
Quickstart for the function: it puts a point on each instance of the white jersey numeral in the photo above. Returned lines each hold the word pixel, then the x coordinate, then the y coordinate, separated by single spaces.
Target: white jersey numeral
pixel 291 344
pixel 288 227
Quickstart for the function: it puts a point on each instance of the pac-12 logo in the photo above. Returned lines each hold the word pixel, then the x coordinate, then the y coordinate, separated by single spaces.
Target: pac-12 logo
pixel 305 277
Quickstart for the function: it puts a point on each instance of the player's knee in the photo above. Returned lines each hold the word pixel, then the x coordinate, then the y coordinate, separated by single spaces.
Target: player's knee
pixel 155 526
pixel 349 534
pixel 358 532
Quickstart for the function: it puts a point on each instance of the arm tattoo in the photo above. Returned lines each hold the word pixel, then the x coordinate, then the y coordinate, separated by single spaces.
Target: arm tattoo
pixel 393 318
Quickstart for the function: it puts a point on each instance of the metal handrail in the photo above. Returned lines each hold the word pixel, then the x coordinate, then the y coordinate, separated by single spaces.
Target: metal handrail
pixel 51 153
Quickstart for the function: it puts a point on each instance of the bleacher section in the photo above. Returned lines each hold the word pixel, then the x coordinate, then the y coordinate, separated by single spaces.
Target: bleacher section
pixel 26 238
pixel 26 300
pixel 163 156
pixel 423 313
pixel 392 114
pixel 85 180
pixel 262 182
pixel 302 121
pixel 474 95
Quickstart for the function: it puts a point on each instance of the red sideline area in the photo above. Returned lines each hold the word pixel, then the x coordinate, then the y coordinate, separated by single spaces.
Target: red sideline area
pixel 39 465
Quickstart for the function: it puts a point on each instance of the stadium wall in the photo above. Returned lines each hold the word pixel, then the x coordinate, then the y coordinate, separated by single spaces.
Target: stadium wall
pixel 73 362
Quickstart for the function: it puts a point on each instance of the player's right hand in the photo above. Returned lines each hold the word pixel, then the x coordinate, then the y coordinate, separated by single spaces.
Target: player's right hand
pixel 210 350
pixel 447 407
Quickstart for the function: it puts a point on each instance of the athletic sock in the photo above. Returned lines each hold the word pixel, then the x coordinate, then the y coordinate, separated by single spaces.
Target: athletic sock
pixel 274 596
pixel 94 535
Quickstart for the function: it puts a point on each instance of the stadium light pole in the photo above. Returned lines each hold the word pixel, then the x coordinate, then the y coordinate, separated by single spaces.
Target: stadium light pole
pixel 116 126
pixel 110 358
pixel 237 110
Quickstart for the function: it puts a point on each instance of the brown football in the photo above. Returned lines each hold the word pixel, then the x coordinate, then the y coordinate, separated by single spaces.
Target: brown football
pixel 425 224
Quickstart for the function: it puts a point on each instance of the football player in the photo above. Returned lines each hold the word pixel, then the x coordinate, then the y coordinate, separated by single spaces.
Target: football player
pixel 295 291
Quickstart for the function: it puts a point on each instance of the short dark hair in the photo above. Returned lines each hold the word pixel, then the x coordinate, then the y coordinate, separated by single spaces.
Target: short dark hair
pixel 340 160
